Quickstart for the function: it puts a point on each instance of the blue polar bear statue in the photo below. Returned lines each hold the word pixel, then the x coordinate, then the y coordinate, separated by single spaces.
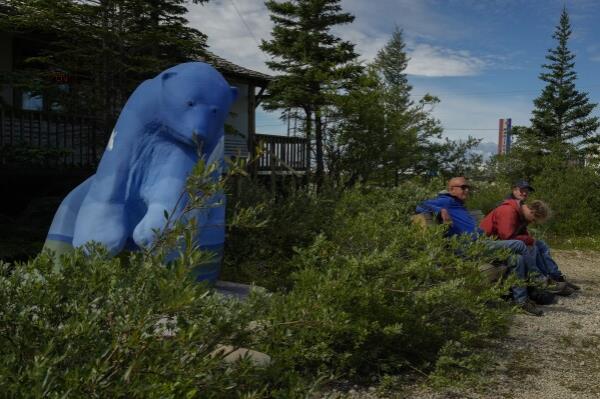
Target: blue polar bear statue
pixel 165 126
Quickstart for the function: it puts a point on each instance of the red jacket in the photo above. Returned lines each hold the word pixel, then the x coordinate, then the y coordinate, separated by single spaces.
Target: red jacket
pixel 507 223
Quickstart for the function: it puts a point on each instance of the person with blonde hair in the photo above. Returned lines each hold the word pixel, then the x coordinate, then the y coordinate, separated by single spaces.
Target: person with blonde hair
pixel 509 221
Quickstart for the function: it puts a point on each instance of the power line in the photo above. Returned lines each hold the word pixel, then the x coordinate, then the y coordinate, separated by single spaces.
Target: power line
pixel 469 129
pixel 245 24
pixel 495 93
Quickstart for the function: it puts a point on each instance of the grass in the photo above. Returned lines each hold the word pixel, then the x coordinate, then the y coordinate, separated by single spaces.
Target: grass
pixel 584 243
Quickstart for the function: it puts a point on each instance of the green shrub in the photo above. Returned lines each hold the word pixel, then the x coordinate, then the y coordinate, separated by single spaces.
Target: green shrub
pixel 573 193
pixel 262 254
pixel 379 296
pixel 366 295
pixel 102 327
pixel 486 196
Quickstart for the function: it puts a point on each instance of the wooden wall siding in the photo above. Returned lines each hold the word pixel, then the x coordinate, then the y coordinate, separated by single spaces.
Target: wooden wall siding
pixel 236 146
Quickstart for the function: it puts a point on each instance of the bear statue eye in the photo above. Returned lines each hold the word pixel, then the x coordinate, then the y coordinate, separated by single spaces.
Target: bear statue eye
pixel 190 103
pixel 214 110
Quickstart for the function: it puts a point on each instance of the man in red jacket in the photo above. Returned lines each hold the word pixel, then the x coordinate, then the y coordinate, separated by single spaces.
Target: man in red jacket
pixel 509 222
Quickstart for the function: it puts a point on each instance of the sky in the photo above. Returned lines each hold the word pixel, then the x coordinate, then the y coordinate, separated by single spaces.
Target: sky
pixel 482 58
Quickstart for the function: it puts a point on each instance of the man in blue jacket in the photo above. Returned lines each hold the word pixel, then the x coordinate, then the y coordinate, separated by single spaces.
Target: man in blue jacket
pixel 450 208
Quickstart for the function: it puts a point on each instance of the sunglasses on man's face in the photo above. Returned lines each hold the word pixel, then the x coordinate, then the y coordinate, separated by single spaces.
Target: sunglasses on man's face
pixel 463 187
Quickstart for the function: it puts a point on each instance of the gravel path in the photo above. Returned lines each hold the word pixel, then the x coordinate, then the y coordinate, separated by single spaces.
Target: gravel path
pixel 553 356
pixel 558 355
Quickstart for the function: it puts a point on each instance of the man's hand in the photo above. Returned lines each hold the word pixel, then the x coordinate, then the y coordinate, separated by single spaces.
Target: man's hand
pixel 445 216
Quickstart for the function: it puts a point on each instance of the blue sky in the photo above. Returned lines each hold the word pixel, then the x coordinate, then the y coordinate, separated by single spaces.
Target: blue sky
pixel 482 58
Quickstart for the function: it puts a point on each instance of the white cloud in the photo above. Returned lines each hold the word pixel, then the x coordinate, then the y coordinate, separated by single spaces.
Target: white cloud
pixel 477 116
pixel 234 36
pixel 433 61
pixel 235 27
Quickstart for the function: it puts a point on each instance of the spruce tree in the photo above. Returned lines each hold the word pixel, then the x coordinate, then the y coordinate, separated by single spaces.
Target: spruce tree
pixel 312 61
pixel 385 135
pixel 391 62
pixel 562 114
pixel 409 126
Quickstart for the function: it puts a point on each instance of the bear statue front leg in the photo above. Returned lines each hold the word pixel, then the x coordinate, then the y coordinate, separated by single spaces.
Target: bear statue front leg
pixel 144 234
pixel 102 222
pixel 102 217
pixel 163 191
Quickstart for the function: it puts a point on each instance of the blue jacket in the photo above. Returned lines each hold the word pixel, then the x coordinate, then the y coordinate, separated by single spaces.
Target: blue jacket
pixel 462 221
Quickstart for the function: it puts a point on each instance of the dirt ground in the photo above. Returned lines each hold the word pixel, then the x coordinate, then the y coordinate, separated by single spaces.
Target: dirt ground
pixel 558 355
pixel 553 356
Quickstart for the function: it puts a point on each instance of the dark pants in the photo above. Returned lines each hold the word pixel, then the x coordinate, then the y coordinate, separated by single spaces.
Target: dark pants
pixel 519 262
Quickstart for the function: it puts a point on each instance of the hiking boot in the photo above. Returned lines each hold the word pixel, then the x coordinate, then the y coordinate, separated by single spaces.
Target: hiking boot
pixel 566 291
pixel 571 285
pixel 529 307
pixel 541 297
pixel 558 288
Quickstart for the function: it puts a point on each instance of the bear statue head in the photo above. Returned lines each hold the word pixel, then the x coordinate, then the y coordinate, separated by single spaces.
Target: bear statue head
pixel 195 101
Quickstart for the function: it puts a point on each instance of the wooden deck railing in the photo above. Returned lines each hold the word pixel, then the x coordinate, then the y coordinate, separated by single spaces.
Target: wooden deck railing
pixel 50 139
pixel 59 140
pixel 281 154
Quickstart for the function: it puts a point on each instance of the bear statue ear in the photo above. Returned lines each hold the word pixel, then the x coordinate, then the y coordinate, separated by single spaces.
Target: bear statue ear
pixel 167 75
pixel 234 93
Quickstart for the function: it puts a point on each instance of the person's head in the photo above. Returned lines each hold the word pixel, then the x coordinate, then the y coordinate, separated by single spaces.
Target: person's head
pixel 521 190
pixel 537 211
pixel 459 187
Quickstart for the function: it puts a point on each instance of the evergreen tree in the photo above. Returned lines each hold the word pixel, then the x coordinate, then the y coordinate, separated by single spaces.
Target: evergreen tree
pixel 104 47
pixel 314 63
pixel 391 62
pixel 384 135
pixel 562 114
pixel 409 125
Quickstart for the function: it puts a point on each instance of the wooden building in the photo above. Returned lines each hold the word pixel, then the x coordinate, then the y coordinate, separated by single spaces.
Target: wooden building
pixel 50 152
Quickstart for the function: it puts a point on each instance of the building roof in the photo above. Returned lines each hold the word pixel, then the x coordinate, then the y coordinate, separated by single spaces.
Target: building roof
pixel 230 69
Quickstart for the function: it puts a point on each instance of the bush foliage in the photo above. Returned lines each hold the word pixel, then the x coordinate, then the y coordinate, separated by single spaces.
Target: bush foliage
pixel 360 293
pixel 100 327
pixel 376 295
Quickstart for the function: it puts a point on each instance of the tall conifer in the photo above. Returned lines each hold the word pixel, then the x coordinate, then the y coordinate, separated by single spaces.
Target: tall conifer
pixel 562 114
pixel 312 61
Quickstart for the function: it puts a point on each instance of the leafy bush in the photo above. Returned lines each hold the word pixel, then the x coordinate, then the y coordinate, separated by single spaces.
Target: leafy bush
pixel 367 294
pixel 261 253
pixel 486 196
pixel 100 327
pixel 573 193
pixel 379 296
